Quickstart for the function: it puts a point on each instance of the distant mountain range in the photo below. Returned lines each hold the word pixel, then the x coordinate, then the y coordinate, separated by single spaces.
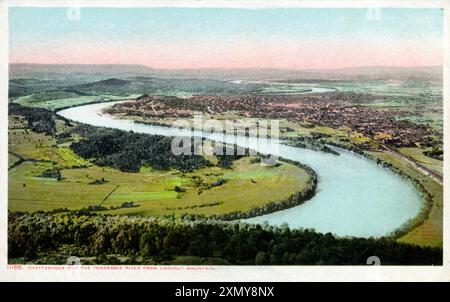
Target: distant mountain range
pixel 110 71
pixel 25 70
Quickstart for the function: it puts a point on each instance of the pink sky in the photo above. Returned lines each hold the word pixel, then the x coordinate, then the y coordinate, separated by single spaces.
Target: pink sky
pixel 306 54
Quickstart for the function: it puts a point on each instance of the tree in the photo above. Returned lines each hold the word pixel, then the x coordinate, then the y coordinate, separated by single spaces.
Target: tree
pixel 262 258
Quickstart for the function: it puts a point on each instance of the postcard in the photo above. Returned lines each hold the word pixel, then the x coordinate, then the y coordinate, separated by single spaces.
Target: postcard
pixel 224 140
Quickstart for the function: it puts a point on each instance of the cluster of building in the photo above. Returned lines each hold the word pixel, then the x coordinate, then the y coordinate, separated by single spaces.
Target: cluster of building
pixel 381 125
pixel 334 110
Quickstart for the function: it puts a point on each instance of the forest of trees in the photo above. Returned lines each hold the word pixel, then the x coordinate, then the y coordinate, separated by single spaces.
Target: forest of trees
pixel 32 235
pixel 128 151
pixel 38 119
pixel 435 152
pixel 228 154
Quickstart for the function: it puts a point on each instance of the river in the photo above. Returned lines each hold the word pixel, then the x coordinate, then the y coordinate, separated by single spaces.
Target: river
pixel 355 197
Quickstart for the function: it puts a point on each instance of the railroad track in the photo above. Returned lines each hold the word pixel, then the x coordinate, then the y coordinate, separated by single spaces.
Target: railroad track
pixel 424 170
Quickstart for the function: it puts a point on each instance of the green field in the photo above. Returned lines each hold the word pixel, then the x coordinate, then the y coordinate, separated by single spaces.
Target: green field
pixel 56 104
pixel 153 192
pixel 41 147
pixel 12 160
pixel 417 154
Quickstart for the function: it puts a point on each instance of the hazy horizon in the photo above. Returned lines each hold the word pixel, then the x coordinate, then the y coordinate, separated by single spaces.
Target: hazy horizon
pixel 232 68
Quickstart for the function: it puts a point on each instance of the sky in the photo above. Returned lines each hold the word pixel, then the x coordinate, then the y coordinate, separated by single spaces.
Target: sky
pixel 185 38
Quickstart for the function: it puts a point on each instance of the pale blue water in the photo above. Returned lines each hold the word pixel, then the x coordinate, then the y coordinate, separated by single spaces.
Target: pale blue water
pixel 355 197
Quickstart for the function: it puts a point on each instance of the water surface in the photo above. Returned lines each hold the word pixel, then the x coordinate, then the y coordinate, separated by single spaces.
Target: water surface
pixel 355 197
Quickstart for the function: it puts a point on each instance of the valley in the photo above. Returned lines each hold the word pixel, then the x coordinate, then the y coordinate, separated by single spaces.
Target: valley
pixel 100 147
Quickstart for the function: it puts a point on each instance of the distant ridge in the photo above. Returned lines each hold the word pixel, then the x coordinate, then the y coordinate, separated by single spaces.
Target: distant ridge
pixel 108 82
pixel 19 70
pixel 381 69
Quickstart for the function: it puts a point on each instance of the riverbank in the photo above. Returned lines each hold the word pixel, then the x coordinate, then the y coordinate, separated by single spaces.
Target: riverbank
pixel 293 200
pixel 426 228
pixel 401 232
pixel 371 201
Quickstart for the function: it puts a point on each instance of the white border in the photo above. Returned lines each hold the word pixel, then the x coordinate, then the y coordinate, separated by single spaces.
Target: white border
pixel 250 4
pixel 221 273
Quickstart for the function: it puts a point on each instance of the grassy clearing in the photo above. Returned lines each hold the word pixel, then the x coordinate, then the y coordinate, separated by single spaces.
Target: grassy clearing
pixel 142 196
pixel 417 154
pixel 16 122
pixel 55 104
pixel 28 192
pixel 43 147
pixel 12 160
pixel 430 232
pixel 155 193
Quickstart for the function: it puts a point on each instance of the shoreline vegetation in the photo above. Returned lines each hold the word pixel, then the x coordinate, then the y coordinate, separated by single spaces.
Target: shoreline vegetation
pixel 295 199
